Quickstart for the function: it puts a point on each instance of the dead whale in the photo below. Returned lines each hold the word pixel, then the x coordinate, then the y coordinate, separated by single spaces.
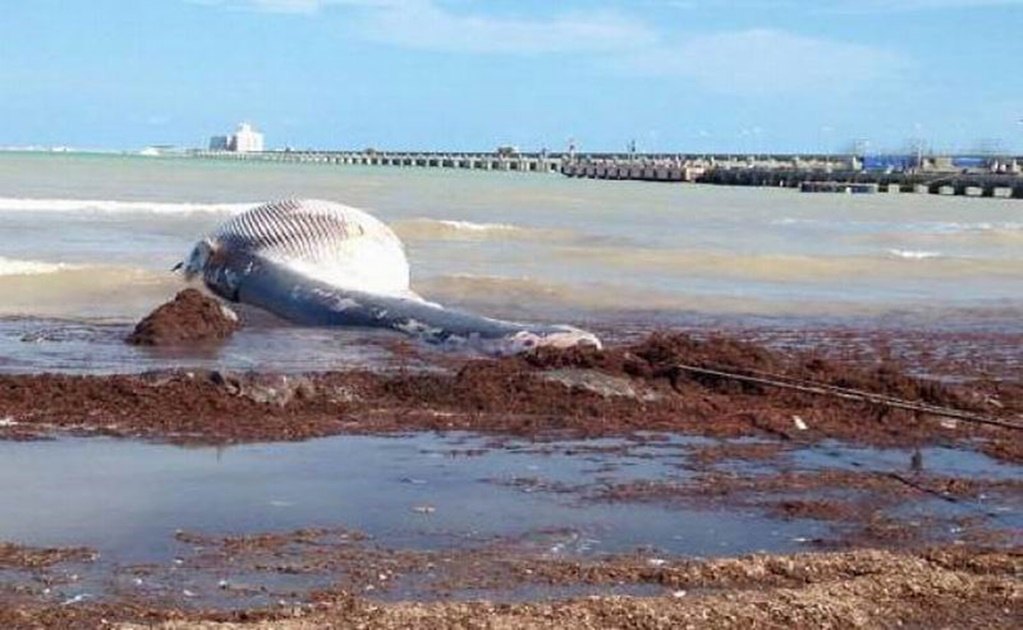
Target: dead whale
pixel 320 263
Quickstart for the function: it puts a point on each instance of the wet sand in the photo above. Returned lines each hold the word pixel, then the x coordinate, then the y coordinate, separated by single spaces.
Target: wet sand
pixel 760 403
pixel 191 317
pixel 936 587
pixel 678 383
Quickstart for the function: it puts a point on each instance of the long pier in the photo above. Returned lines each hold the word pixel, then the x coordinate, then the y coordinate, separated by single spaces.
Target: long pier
pixel 541 162
pixel 808 172
pixel 1006 185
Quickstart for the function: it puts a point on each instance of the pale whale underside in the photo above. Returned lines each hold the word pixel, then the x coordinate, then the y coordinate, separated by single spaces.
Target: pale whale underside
pixel 320 263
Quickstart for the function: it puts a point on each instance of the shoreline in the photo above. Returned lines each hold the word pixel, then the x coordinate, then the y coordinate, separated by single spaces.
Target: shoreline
pixel 926 542
pixel 939 586
pixel 664 382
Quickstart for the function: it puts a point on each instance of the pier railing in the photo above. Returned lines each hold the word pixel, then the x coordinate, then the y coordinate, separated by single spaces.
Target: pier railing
pixel 525 162
pixel 809 172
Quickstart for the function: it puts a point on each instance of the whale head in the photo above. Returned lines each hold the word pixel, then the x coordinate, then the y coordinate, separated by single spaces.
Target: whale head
pixel 220 268
pixel 195 264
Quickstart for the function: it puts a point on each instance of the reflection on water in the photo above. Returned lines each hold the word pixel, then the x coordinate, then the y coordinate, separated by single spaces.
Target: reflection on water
pixel 31 346
pixel 127 499
pixel 425 492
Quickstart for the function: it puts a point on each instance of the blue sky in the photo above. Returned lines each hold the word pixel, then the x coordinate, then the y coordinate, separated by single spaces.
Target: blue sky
pixel 675 75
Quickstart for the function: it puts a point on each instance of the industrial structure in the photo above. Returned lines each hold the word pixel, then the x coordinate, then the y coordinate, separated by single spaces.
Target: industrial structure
pixel 245 139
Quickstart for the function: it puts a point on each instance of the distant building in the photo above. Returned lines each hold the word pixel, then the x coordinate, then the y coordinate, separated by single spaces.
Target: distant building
pixel 219 143
pixel 244 140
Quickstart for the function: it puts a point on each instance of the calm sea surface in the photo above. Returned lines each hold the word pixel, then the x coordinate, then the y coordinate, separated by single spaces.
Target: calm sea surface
pixel 87 241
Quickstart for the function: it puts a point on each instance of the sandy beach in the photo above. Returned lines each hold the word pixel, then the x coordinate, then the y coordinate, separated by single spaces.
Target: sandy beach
pixel 755 399
pixel 794 421
pixel 449 314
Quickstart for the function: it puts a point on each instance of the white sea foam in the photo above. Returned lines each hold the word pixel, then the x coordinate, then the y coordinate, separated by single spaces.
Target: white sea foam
pixel 424 229
pixel 114 206
pixel 911 254
pixel 40 288
pixel 958 227
pixel 16 267
pixel 478 227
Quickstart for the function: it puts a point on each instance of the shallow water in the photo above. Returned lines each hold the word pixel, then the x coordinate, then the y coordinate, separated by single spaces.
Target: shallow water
pixel 91 238
pixel 32 345
pixel 425 492
pixel 937 460
pixel 127 499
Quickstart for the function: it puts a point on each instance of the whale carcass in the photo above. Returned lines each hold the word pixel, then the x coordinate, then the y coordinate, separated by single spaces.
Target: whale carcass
pixel 320 263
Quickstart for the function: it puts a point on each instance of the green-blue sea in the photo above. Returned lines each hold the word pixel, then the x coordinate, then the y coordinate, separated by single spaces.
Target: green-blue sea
pixel 87 242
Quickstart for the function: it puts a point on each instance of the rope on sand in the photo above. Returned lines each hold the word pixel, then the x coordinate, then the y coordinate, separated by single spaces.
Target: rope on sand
pixel 819 389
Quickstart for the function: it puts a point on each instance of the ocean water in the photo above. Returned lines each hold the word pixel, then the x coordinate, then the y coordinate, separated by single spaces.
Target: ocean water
pixel 87 243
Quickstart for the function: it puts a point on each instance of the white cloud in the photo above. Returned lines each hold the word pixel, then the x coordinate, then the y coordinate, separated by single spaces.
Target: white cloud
pixel 765 61
pixel 428 25
pixel 905 6
pixel 294 6
pixel 288 6
pixel 839 6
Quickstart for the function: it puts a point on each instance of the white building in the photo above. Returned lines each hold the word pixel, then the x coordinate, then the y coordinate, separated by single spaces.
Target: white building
pixel 245 140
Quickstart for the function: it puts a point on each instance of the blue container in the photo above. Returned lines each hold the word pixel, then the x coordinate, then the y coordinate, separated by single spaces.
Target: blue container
pixel 969 161
pixel 892 163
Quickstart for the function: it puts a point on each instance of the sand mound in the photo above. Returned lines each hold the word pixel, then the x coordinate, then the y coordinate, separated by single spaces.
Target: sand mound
pixel 189 318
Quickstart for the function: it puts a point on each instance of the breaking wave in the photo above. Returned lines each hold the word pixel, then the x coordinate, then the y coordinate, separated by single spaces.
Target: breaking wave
pixel 982 234
pixel 16 267
pixel 113 206
pixel 778 267
pixel 55 289
pixel 913 254
pixel 958 227
pixel 453 230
